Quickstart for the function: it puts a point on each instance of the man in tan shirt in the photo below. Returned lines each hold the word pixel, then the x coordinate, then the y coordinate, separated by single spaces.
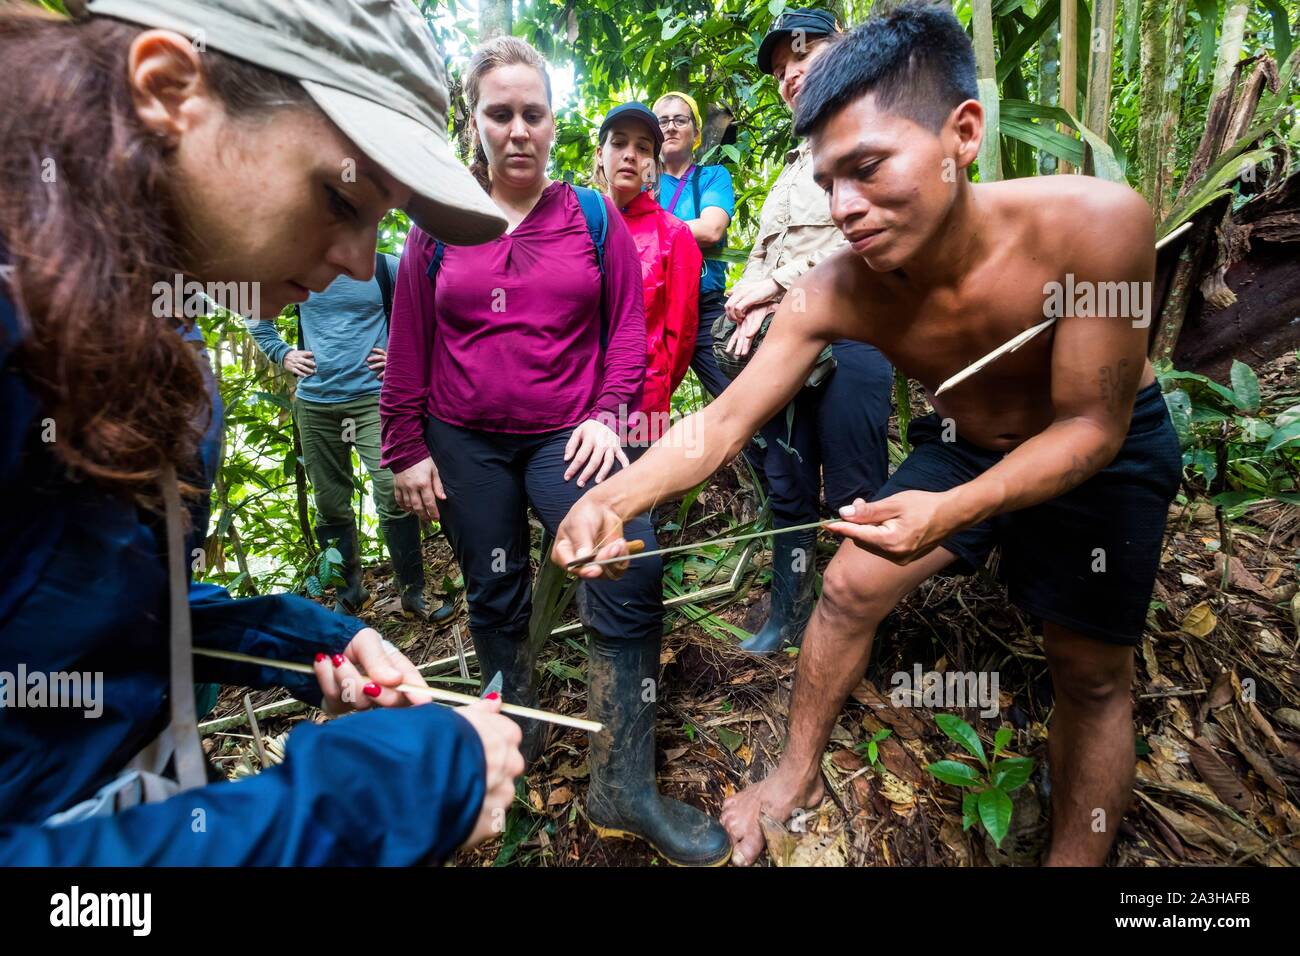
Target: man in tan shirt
pixel 835 431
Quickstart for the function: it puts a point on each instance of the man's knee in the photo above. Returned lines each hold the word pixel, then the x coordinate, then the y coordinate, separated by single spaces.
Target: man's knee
pixel 853 600
pixel 1088 673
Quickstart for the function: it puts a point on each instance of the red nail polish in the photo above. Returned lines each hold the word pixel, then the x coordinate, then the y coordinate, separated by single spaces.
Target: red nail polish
pixel 320 657
pixel 338 660
pixel 493 696
pixel 371 690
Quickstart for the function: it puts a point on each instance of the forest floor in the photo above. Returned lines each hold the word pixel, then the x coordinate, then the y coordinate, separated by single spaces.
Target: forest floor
pixel 1217 718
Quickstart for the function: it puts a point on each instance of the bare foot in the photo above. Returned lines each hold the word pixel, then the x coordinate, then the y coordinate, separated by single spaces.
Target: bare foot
pixel 778 796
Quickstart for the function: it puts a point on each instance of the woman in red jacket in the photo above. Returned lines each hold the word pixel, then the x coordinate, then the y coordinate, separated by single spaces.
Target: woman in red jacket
pixel 627 162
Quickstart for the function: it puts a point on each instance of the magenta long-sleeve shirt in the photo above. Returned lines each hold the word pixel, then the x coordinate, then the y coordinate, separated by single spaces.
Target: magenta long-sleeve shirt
pixel 508 337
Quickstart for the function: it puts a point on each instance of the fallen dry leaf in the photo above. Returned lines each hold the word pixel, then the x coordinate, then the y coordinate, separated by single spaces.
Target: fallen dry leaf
pixel 1199 621
pixel 1215 771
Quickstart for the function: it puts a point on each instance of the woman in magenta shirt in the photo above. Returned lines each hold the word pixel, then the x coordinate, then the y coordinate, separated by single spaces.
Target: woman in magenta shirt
pixel 508 363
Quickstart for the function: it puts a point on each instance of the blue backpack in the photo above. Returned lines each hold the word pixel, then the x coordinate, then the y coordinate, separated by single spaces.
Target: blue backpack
pixel 596 215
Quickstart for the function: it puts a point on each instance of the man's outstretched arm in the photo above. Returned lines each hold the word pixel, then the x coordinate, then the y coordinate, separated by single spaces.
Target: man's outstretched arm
pixel 698 445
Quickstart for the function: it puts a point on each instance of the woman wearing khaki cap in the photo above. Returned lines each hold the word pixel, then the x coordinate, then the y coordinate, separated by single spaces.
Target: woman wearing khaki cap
pixel 143 146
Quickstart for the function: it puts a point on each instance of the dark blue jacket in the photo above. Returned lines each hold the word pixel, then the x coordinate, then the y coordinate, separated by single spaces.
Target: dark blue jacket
pixel 83 588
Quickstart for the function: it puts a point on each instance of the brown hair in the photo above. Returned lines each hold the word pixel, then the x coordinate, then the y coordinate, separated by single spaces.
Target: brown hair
pixel 499 51
pixel 91 226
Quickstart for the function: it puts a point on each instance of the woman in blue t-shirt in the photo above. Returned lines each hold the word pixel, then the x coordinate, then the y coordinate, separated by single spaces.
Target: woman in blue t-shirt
pixel 704 198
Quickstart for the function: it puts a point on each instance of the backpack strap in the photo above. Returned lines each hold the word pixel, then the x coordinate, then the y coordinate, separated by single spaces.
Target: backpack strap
pixel 596 213
pixel 385 284
pixel 439 249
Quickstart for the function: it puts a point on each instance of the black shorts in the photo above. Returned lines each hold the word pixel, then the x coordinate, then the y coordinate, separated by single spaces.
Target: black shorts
pixel 1086 560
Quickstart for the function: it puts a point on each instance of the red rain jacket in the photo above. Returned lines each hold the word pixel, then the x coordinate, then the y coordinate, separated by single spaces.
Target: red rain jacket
pixel 670 276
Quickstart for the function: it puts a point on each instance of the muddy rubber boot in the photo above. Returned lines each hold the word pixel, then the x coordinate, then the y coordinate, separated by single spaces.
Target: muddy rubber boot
pixel 623 799
pixel 794 566
pixel 403 539
pixel 352 598
pixel 507 652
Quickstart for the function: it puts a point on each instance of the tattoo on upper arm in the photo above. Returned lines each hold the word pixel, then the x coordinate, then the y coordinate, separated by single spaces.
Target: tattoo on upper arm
pixel 1112 383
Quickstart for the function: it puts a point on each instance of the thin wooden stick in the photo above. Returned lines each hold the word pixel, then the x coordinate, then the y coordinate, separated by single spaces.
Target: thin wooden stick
pixel 442 696
pixel 690 547
pixel 1028 334
pixel 997 353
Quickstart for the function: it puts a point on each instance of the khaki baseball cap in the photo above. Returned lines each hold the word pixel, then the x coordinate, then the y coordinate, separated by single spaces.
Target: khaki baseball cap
pixel 372 66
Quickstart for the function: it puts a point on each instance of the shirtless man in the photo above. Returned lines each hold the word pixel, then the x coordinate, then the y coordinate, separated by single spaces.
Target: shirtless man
pixel 1061 453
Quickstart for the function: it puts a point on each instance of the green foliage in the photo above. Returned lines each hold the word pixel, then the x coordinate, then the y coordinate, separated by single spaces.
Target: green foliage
pixel 871 748
pixel 987 801
pixel 1234 449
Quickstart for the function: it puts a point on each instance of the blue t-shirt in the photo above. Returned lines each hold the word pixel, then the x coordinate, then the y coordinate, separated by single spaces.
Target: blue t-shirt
pixel 339 327
pixel 715 190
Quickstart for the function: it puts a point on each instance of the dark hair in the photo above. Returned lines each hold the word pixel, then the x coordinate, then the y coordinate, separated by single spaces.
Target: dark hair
pixel 126 393
pixel 917 60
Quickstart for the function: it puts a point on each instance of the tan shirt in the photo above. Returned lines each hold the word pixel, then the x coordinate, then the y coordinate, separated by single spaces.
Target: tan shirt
pixel 795 229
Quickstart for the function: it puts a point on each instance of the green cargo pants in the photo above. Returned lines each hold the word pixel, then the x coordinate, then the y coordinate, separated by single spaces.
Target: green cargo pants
pixel 329 433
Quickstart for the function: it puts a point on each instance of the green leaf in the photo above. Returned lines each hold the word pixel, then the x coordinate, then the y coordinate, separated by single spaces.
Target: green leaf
pixel 873 752
pixel 1281 30
pixel 1012 773
pixel 1213 186
pixel 962 733
pixel 970 810
pixel 1180 413
pixel 1209 13
pixel 1233 499
pixel 1245 387
pixel 775 7
pixel 1284 435
pixel 955 773
pixel 1104 163
pixel 1001 739
pixel 313 586
pixel 995 813
pixel 730 739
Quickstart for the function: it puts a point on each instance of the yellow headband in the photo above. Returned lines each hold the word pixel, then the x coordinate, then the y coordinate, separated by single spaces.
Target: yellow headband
pixel 695 113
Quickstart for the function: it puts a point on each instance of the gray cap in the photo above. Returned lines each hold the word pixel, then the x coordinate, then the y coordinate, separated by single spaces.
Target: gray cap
pixel 372 66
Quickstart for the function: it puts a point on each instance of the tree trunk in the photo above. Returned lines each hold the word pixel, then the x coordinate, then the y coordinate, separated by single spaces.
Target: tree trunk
pixel 1171 108
pixel 1151 70
pixel 1069 66
pixel 990 158
pixel 495 18
pixel 1230 39
pixel 1100 62
pixel 1131 9
pixel 1049 87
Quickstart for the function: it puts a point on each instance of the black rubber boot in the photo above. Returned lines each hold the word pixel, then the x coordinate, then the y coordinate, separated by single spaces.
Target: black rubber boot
pixel 794 567
pixel 507 652
pixel 623 799
pixel 352 598
pixel 403 538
